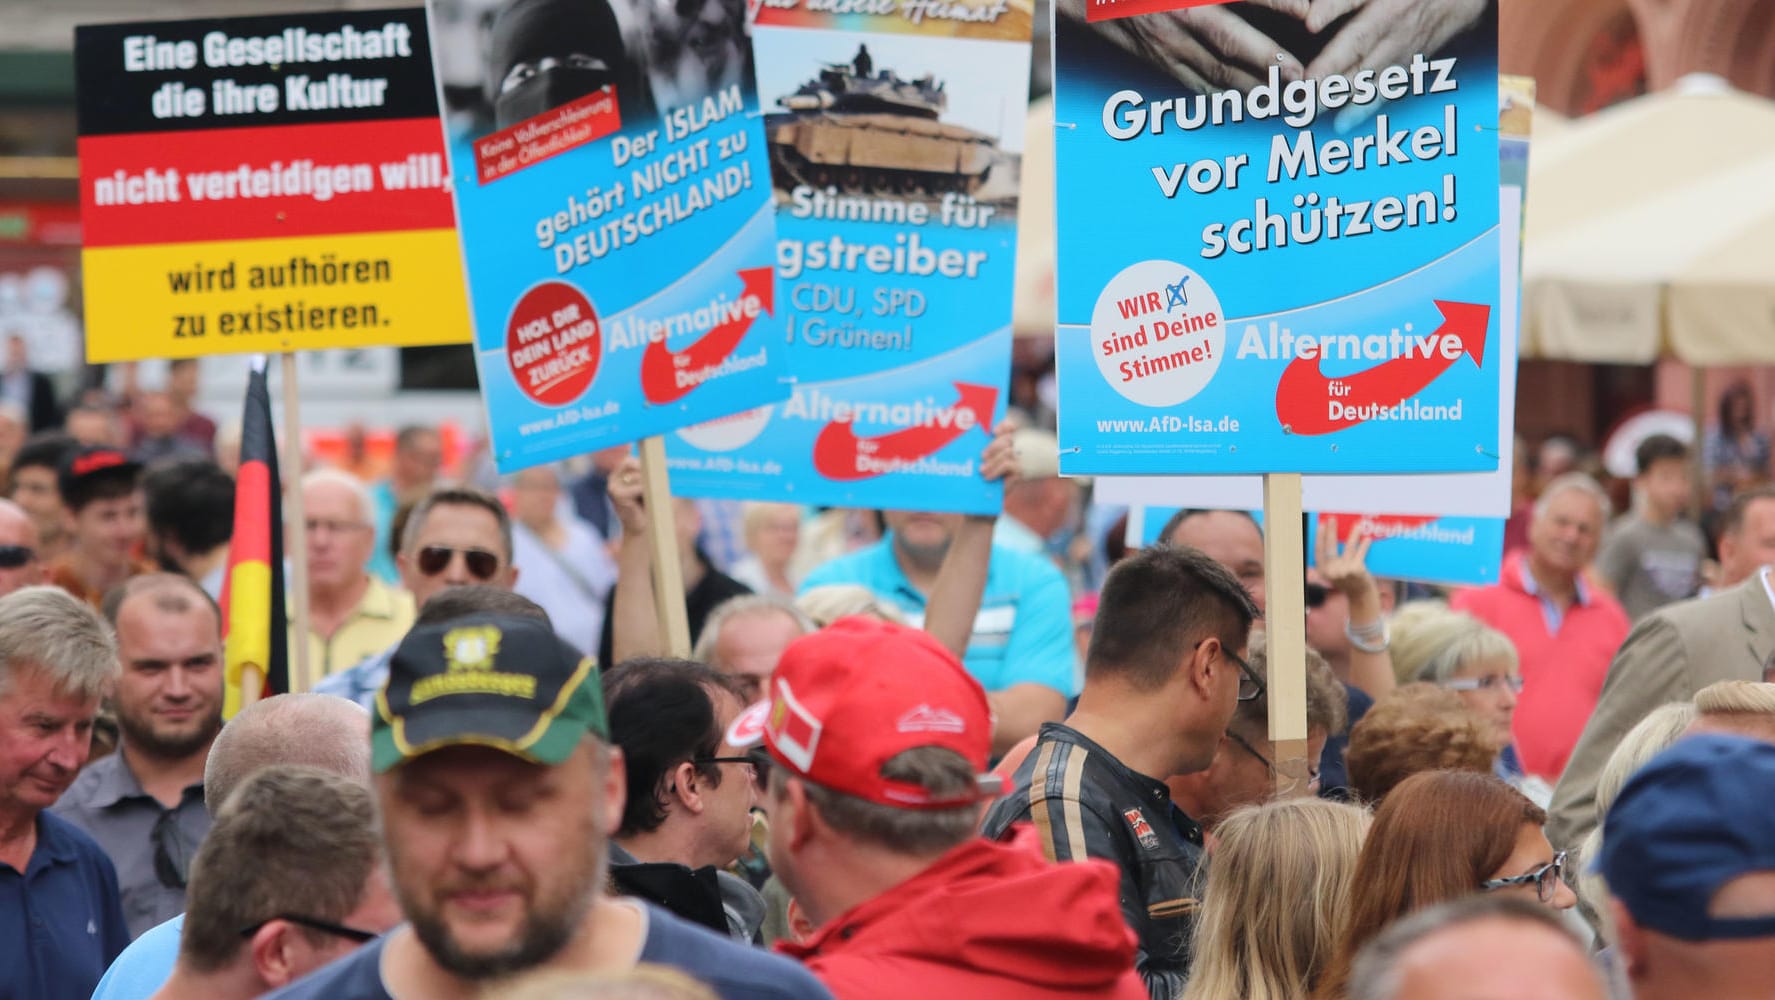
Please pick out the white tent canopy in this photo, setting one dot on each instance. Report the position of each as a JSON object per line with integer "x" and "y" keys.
{"x": 1651, "y": 232}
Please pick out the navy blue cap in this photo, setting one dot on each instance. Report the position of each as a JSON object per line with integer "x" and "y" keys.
{"x": 1689, "y": 822}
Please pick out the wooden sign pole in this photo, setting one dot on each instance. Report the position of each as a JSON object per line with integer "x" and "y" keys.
{"x": 1285, "y": 613}
{"x": 662, "y": 537}
{"x": 296, "y": 551}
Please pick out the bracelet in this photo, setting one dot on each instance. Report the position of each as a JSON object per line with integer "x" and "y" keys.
{"x": 1371, "y": 638}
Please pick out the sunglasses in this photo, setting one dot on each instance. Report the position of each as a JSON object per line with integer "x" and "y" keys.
{"x": 1316, "y": 593}
{"x": 324, "y": 926}
{"x": 1545, "y": 879}
{"x": 14, "y": 556}
{"x": 434, "y": 559}
{"x": 172, "y": 856}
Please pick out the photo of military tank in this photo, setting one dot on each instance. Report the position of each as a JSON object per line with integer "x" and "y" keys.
{"x": 868, "y": 131}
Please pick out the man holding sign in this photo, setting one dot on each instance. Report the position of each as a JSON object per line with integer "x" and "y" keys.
{"x": 1021, "y": 648}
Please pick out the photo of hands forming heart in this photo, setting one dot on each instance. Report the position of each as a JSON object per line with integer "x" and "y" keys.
{"x": 1216, "y": 47}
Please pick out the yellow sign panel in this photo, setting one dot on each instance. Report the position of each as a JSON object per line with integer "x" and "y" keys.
{"x": 182, "y": 300}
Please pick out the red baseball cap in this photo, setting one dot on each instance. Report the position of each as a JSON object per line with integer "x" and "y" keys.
{"x": 847, "y": 699}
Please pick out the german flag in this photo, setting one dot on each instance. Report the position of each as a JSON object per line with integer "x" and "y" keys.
{"x": 256, "y": 630}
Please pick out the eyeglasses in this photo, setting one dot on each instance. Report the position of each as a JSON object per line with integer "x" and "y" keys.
{"x": 1270, "y": 765}
{"x": 759, "y": 758}
{"x": 1316, "y": 593}
{"x": 1489, "y": 683}
{"x": 312, "y": 923}
{"x": 317, "y": 525}
{"x": 1545, "y": 879}
{"x": 699, "y": 761}
{"x": 1251, "y": 686}
{"x": 14, "y": 556}
{"x": 172, "y": 856}
{"x": 434, "y": 559}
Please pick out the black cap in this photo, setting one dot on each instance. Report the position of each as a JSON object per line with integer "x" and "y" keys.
{"x": 89, "y": 465}
{"x": 499, "y": 681}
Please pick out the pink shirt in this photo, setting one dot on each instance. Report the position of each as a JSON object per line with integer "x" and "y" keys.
{"x": 1562, "y": 670}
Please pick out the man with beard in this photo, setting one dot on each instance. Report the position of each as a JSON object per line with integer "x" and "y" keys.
{"x": 144, "y": 803}
{"x": 498, "y": 793}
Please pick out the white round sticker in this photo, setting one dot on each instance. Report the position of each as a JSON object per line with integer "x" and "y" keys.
{"x": 729, "y": 432}
{"x": 1158, "y": 333}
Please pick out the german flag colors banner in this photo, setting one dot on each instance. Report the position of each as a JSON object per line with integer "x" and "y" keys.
{"x": 257, "y": 632}
{"x": 264, "y": 184}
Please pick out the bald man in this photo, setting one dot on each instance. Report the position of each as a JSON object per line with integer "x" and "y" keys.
{"x": 20, "y": 565}
{"x": 316, "y": 730}
{"x": 1478, "y": 948}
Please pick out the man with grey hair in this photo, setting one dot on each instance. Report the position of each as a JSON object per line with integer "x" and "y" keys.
{"x": 455, "y": 536}
{"x": 352, "y": 613}
{"x": 312, "y": 730}
{"x": 144, "y": 804}
{"x": 745, "y": 636}
{"x": 1565, "y": 629}
{"x": 1676, "y": 651}
{"x": 1477, "y": 948}
{"x": 60, "y": 914}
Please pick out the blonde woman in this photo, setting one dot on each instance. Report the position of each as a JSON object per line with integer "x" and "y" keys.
{"x": 1460, "y": 653}
{"x": 1276, "y": 901}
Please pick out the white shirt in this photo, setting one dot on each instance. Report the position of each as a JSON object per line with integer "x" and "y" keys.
{"x": 574, "y": 600}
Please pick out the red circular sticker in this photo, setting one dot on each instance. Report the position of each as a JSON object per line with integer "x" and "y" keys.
{"x": 553, "y": 342}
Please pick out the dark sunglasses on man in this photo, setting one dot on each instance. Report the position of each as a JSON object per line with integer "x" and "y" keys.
{"x": 14, "y": 556}
{"x": 1316, "y": 593}
{"x": 434, "y": 559}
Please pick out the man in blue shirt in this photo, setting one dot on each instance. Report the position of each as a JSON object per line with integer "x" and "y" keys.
{"x": 497, "y": 787}
{"x": 60, "y": 917}
{"x": 1021, "y": 649}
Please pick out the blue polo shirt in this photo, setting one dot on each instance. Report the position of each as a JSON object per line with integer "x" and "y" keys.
{"x": 61, "y": 922}
{"x": 1023, "y": 633}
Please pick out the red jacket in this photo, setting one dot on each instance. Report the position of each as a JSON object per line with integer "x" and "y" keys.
{"x": 988, "y": 921}
{"x": 1562, "y": 673}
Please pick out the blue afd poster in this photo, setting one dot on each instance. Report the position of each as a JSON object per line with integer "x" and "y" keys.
{"x": 1464, "y": 551}
{"x": 1283, "y": 258}
{"x": 612, "y": 191}
{"x": 896, "y": 138}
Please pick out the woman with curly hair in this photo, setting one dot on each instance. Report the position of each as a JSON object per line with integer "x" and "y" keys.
{"x": 1419, "y": 727}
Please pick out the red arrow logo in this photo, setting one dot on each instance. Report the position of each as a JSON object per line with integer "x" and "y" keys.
{"x": 839, "y": 454}
{"x": 1303, "y": 392}
{"x": 660, "y": 364}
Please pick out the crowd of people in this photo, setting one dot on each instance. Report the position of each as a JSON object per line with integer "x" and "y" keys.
{"x": 911, "y": 753}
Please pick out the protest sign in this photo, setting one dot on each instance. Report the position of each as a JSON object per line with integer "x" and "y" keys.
{"x": 1464, "y": 495}
{"x": 263, "y": 184}
{"x": 1427, "y": 548}
{"x": 896, "y": 147}
{"x": 612, "y": 190}
{"x": 1290, "y": 266}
